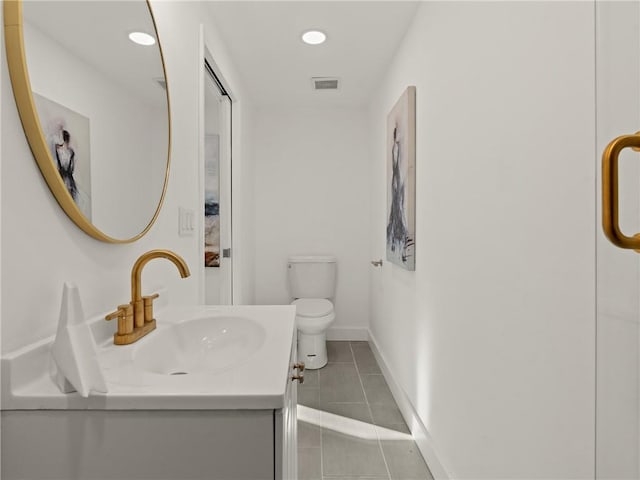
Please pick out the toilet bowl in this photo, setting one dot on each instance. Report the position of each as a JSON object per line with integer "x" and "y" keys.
{"x": 313, "y": 318}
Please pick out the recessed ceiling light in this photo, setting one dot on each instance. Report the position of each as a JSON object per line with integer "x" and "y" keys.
{"x": 142, "y": 38}
{"x": 314, "y": 37}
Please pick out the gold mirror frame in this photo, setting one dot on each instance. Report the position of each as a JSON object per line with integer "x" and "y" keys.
{"x": 18, "y": 72}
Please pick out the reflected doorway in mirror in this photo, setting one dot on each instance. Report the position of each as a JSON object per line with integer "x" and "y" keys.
{"x": 212, "y": 200}
{"x": 67, "y": 135}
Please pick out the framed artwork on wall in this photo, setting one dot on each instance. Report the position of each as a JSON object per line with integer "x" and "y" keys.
{"x": 401, "y": 181}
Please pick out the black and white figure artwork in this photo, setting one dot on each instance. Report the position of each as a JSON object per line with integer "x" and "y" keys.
{"x": 212, "y": 201}
{"x": 67, "y": 135}
{"x": 401, "y": 198}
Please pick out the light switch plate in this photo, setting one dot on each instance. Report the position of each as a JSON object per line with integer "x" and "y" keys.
{"x": 186, "y": 222}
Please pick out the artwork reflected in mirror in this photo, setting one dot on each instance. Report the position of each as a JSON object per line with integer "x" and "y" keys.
{"x": 67, "y": 135}
{"x": 401, "y": 198}
{"x": 212, "y": 201}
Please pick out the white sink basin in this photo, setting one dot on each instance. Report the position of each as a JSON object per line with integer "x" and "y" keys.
{"x": 200, "y": 346}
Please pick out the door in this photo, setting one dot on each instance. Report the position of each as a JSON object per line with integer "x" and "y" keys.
{"x": 217, "y": 191}
{"x": 618, "y": 269}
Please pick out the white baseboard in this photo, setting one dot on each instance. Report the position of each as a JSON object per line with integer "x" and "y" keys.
{"x": 348, "y": 333}
{"x": 418, "y": 430}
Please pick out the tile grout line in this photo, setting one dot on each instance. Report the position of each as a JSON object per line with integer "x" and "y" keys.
{"x": 366, "y": 400}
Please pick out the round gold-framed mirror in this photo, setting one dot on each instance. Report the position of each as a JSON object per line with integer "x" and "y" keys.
{"x": 94, "y": 107}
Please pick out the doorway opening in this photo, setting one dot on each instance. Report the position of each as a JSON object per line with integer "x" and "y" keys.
{"x": 216, "y": 241}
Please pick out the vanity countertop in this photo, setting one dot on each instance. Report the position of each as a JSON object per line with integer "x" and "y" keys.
{"x": 255, "y": 380}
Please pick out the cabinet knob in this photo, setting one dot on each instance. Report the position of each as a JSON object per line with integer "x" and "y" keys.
{"x": 300, "y": 378}
{"x": 299, "y": 366}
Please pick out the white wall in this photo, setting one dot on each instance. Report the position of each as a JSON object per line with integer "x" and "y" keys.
{"x": 492, "y": 337}
{"x": 41, "y": 248}
{"x": 244, "y": 215}
{"x": 311, "y": 179}
{"x": 2, "y": 80}
{"x": 618, "y": 356}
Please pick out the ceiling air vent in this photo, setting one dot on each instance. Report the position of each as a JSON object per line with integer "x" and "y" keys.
{"x": 162, "y": 82}
{"x": 325, "y": 83}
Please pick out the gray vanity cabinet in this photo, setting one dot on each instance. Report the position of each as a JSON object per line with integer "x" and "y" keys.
{"x": 158, "y": 444}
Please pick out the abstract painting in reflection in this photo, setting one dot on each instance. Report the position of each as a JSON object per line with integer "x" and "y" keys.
{"x": 212, "y": 201}
{"x": 67, "y": 135}
{"x": 401, "y": 198}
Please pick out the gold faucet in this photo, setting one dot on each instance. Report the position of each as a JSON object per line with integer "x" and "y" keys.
{"x": 135, "y": 319}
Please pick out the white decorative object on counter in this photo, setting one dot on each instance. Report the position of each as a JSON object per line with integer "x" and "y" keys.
{"x": 74, "y": 349}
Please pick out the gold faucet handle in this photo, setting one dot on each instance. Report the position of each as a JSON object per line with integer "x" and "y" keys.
{"x": 148, "y": 306}
{"x": 117, "y": 314}
{"x": 124, "y": 314}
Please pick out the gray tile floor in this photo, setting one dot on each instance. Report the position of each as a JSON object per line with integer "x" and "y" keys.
{"x": 349, "y": 426}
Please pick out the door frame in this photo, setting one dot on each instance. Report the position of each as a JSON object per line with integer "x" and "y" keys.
{"x": 226, "y": 157}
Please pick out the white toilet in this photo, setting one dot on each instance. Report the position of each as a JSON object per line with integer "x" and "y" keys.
{"x": 312, "y": 282}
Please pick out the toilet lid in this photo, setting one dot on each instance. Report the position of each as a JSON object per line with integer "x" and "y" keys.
{"x": 313, "y": 307}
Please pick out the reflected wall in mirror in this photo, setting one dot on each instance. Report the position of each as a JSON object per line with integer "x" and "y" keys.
{"x": 94, "y": 107}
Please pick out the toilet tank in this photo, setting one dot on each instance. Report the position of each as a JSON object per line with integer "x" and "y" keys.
{"x": 312, "y": 276}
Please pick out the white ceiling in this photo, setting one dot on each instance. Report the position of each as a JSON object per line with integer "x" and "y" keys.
{"x": 263, "y": 38}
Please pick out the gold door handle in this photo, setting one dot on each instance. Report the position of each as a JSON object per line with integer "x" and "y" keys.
{"x": 610, "y": 210}
{"x": 300, "y": 378}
